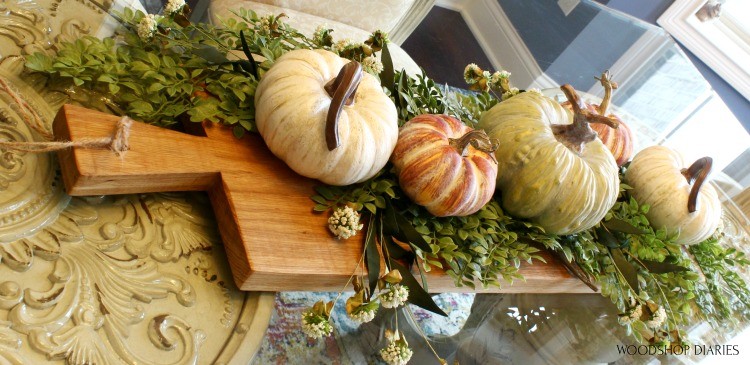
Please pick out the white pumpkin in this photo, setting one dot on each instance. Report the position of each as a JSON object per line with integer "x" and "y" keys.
{"x": 292, "y": 103}
{"x": 551, "y": 167}
{"x": 659, "y": 178}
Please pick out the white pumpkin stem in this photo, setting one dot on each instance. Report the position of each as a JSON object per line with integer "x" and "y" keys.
{"x": 476, "y": 138}
{"x": 609, "y": 85}
{"x": 342, "y": 90}
{"x": 696, "y": 174}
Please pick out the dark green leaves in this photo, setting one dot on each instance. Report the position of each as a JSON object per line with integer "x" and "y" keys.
{"x": 656, "y": 267}
{"x": 387, "y": 75}
{"x": 626, "y": 269}
{"x": 407, "y": 233}
{"x": 607, "y": 238}
{"x": 372, "y": 256}
{"x": 619, "y": 225}
{"x": 417, "y": 295}
{"x": 209, "y": 53}
{"x": 249, "y": 65}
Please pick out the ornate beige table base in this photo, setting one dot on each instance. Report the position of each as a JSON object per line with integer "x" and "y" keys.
{"x": 136, "y": 279}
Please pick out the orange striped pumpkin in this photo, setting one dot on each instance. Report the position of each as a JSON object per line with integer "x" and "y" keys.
{"x": 619, "y": 141}
{"x": 444, "y": 165}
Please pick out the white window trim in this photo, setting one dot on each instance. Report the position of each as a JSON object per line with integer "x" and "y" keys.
{"x": 700, "y": 38}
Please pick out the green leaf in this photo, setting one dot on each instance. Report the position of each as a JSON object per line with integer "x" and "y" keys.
{"x": 619, "y": 225}
{"x": 238, "y": 131}
{"x": 248, "y": 65}
{"x": 407, "y": 233}
{"x": 607, "y": 238}
{"x": 395, "y": 251}
{"x": 417, "y": 295}
{"x": 626, "y": 268}
{"x": 390, "y": 224}
{"x": 325, "y": 191}
{"x": 372, "y": 258}
{"x": 656, "y": 267}
{"x": 210, "y": 54}
{"x": 387, "y": 76}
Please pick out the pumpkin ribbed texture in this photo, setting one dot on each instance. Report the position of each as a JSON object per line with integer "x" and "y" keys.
{"x": 434, "y": 174}
{"x": 540, "y": 179}
{"x": 656, "y": 178}
{"x": 618, "y": 141}
{"x": 290, "y": 111}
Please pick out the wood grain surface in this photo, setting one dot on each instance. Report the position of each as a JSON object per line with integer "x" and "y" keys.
{"x": 274, "y": 241}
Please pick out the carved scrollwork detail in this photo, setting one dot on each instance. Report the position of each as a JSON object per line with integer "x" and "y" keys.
{"x": 25, "y": 25}
{"x": 98, "y": 290}
{"x": 72, "y": 29}
{"x": 12, "y": 166}
{"x": 10, "y": 344}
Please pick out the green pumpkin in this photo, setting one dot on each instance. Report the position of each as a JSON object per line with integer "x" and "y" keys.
{"x": 552, "y": 169}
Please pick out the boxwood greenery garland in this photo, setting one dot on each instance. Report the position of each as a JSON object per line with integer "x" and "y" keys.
{"x": 657, "y": 285}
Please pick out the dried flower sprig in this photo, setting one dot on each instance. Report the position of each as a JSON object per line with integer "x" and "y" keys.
{"x": 497, "y": 83}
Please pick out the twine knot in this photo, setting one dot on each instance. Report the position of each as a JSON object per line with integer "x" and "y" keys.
{"x": 117, "y": 143}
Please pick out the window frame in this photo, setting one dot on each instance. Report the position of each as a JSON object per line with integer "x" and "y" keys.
{"x": 719, "y": 53}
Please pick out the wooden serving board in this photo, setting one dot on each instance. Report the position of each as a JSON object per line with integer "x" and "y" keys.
{"x": 274, "y": 241}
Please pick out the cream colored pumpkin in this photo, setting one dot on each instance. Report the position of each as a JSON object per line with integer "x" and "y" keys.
{"x": 291, "y": 108}
{"x": 656, "y": 175}
{"x": 552, "y": 168}
{"x": 444, "y": 165}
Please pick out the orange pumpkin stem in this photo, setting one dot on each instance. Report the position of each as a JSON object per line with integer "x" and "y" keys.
{"x": 342, "y": 90}
{"x": 696, "y": 174}
{"x": 609, "y": 85}
{"x": 476, "y": 138}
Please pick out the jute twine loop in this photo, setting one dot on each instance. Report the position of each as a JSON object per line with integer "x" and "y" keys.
{"x": 117, "y": 143}
{"x": 30, "y": 117}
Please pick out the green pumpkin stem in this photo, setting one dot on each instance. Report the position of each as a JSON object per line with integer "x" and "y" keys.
{"x": 342, "y": 90}
{"x": 476, "y": 138}
{"x": 575, "y": 135}
{"x": 696, "y": 174}
{"x": 609, "y": 85}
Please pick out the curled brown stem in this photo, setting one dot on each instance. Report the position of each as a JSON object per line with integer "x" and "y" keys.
{"x": 476, "y": 138}
{"x": 342, "y": 90}
{"x": 696, "y": 174}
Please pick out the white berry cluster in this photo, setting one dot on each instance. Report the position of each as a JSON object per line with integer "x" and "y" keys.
{"x": 363, "y": 316}
{"x": 174, "y": 6}
{"x": 344, "y": 222}
{"x": 344, "y": 45}
{"x": 147, "y": 27}
{"x": 372, "y": 64}
{"x": 632, "y": 316}
{"x": 657, "y": 318}
{"x": 396, "y": 353}
{"x": 315, "y": 325}
{"x": 394, "y": 296}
